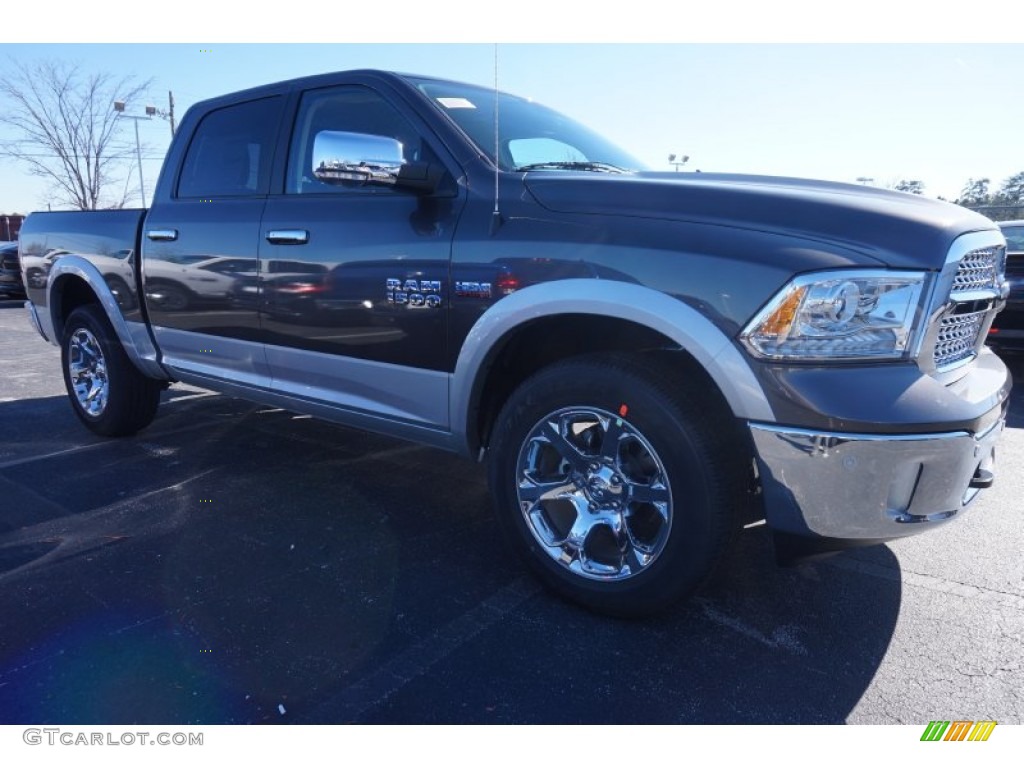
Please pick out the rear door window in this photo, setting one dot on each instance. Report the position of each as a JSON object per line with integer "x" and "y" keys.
{"x": 231, "y": 151}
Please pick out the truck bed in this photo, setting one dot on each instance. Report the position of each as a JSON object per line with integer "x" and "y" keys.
{"x": 107, "y": 239}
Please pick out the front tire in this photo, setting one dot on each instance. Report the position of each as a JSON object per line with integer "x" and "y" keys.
{"x": 620, "y": 486}
{"x": 107, "y": 392}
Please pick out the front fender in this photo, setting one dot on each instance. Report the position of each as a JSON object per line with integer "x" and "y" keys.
{"x": 134, "y": 336}
{"x": 667, "y": 315}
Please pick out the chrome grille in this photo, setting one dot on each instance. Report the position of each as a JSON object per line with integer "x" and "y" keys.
{"x": 967, "y": 298}
{"x": 978, "y": 270}
{"x": 958, "y": 336}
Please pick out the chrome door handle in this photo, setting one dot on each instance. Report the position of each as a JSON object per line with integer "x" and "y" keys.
{"x": 288, "y": 236}
{"x": 164, "y": 235}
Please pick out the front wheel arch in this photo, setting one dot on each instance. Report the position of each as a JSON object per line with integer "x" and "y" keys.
{"x": 677, "y": 325}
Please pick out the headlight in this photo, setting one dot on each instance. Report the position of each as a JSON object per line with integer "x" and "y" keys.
{"x": 839, "y": 315}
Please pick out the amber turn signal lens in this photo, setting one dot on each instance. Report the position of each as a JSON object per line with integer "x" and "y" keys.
{"x": 779, "y": 322}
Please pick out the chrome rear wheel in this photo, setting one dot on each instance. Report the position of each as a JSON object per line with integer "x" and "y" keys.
{"x": 87, "y": 370}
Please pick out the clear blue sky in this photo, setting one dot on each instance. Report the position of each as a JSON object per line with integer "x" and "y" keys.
{"x": 937, "y": 113}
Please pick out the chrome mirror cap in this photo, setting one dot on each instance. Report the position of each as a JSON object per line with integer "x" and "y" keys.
{"x": 356, "y": 159}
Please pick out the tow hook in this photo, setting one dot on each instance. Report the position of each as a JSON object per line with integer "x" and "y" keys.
{"x": 983, "y": 478}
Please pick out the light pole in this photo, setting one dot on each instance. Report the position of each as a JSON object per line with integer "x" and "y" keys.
{"x": 678, "y": 163}
{"x": 150, "y": 111}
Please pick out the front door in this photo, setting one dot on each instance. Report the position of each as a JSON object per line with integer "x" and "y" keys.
{"x": 353, "y": 279}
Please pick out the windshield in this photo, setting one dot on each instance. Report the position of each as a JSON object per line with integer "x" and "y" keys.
{"x": 531, "y": 136}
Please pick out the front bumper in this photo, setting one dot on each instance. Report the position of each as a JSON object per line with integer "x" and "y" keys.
{"x": 869, "y": 487}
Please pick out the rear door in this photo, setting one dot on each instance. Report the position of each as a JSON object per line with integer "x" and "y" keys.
{"x": 201, "y": 244}
{"x": 354, "y": 278}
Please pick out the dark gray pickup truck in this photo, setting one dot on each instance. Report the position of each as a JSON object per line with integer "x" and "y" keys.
{"x": 640, "y": 357}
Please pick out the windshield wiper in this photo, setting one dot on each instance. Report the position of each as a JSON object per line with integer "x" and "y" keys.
{"x": 571, "y": 165}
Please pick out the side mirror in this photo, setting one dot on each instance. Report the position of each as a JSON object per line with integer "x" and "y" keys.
{"x": 361, "y": 159}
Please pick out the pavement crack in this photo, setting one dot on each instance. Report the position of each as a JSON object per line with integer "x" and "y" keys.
{"x": 926, "y": 581}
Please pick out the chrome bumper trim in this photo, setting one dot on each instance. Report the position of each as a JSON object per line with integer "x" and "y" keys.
{"x": 867, "y": 486}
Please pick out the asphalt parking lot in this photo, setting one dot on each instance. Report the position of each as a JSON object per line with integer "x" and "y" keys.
{"x": 235, "y": 563}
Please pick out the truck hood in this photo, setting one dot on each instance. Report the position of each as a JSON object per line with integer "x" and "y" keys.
{"x": 895, "y": 228}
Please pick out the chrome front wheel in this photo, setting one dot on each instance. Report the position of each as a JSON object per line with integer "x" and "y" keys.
{"x": 594, "y": 493}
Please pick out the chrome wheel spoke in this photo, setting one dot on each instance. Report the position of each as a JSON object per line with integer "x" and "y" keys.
{"x": 634, "y": 560}
{"x": 655, "y": 493}
{"x": 531, "y": 491}
{"x": 542, "y": 530}
{"x": 613, "y": 433}
{"x": 565, "y": 546}
{"x": 574, "y": 553}
{"x": 577, "y": 537}
{"x": 551, "y": 432}
{"x": 630, "y": 543}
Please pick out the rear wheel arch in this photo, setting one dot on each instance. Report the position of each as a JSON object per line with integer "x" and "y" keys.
{"x": 76, "y": 282}
{"x": 69, "y": 291}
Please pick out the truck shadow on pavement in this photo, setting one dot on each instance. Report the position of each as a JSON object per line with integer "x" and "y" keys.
{"x": 241, "y": 564}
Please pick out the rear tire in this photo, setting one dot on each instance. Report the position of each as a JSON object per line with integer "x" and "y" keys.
{"x": 107, "y": 392}
{"x": 620, "y": 487}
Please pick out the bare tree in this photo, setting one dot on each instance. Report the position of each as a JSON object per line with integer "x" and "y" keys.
{"x": 66, "y": 130}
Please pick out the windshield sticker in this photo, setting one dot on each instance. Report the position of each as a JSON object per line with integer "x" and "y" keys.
{"x": 456, "y": 102}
